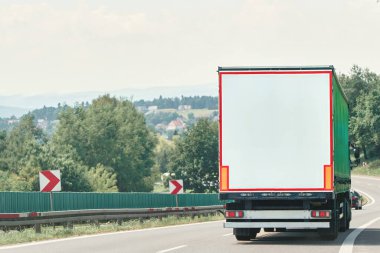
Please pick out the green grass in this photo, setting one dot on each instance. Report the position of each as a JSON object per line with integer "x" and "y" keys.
{"x": 48, "y": 232}
{"x": 371, "y": 169}
{"x": 198, "y": 113}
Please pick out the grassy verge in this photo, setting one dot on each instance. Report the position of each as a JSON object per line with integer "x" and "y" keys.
{"x": 371, "y": 169}
{"x": 365, "y": 200}
{"x": 28, "y": 235}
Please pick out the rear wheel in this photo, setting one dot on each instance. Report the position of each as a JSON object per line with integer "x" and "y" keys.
{"x": 242, "y": 237}
{"x": 331, "y": 233}
{"x": 344, "y": 223}
{"x": 349, "y": 214}
{"x": 245, "y": 234}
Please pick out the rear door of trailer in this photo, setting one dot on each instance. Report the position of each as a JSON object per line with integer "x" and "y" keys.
{"x": 275, "y": 130}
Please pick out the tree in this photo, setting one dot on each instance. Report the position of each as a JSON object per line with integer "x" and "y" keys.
{"x": 3, "y": 146}
{"x": 64, "y": 158}
{"x": 76, "y": 176}
{"x": 360, "y": 81}
{"x": 102, "y": 179}
{"x": 23, "y": 144}
{"x": 362, "y": 87}
{"x": 110, "y": 132}
{"x": 365, "y": 124}
{"x": 195, "y": 158}
{"x": 20, "y": 153}
{"x": 163, "y": 153}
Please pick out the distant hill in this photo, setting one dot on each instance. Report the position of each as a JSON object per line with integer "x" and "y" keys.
{"x": 8, "y": 111}
{"x": 39, "y": 101}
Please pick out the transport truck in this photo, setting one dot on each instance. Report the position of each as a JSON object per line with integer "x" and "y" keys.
{"x": 284, "y": 150}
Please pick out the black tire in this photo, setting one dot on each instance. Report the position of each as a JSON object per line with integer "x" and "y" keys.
{"x": 344, "y": 222}
{"x": 243, "y": 237}
{"x": 253, "y": 235}
{"x": 349, "y": 214}
{"x": 331, "y": 233}
{"x": 245, "y": 234}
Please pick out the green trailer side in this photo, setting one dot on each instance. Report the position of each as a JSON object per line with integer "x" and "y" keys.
{"x": 342, "y": 182}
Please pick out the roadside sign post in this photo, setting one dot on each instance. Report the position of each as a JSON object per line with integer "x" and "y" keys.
{"x": 175, "y": 188}
{"x": 50, "y": 181}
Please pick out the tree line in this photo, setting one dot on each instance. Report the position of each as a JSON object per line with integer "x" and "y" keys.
{"x": 196, "y": 102}
{"x": 105, "y": 146}
{"x": 362, "y": 88}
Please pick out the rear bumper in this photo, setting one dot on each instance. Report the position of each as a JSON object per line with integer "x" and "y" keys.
{"x": 275, "y": 195}
{"x": 287, "y": 225}
{"x": 278, "y": 215}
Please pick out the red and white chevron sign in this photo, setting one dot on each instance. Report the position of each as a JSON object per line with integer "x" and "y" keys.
{"x": 176, "y": 186}
{"x": 50, "y": 181}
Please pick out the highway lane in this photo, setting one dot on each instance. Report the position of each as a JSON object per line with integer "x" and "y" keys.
{"x": 211, "y": 237}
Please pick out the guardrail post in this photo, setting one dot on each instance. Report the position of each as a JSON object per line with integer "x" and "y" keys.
{"x": 119, "y": 222}
{"x": 37, "y": 228}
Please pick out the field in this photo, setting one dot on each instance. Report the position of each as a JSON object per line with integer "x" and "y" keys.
{"x": 198, "y": 113}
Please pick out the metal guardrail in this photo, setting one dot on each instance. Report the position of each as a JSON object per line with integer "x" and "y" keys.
{"x": 68, "y": 218}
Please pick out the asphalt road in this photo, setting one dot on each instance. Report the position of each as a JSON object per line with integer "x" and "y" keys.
{"x": 364, "y": 236}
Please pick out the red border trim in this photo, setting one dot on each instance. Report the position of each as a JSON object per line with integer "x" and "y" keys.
{"x": 221, "y": 130}
{"x": 220, "y": 133}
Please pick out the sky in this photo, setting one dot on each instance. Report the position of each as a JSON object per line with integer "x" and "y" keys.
{"x": 105, "y": 45}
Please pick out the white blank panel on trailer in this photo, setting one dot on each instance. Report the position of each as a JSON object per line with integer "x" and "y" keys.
{"x": 275, "y": 130}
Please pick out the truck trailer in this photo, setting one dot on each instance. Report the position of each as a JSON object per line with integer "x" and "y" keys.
{"x": 284, "y": 150}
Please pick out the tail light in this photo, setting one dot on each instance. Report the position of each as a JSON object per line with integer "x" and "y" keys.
{"x": 234, "y": 214}
{"x": 230, "y": 214}
{"x": 321, "y": 214}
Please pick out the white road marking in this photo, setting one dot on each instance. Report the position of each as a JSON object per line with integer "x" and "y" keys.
{"x": 99, "y": 235}
{"x": 348, "y": 244}
{"x": 367, "y": 195}
{"x": 171, "y": 249}
{"x": 227, "y": 234}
